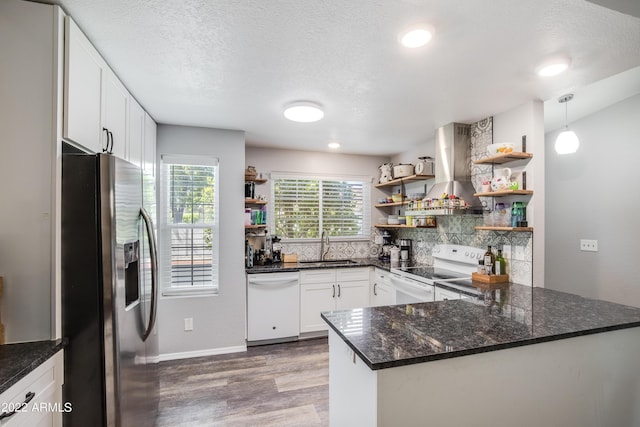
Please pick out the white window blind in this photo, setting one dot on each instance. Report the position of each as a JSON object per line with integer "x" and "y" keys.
{"x": 189, "y": 226}
{"x": 302, "y": 206}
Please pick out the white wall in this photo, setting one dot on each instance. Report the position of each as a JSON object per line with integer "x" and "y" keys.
{"x": 594, "y": 194}
{"x": 218, "y": 321}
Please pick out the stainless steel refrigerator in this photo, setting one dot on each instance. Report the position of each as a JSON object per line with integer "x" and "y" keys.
{"x": 109, "y": 292}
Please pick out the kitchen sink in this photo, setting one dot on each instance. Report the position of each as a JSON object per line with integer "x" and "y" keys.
{"x": 328, "y": 262}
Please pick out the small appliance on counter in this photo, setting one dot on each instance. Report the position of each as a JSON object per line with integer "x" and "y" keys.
{"x": 248, "y": 257}
{"x": 276, "y": 252}
{"x": 405, "y": 249}
{"x": 385, "y": 253}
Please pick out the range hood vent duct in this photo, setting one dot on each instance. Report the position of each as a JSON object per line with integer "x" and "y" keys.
{"x": 453, "y": 165}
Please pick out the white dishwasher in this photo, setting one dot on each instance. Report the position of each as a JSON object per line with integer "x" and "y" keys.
{"x": 273, "y": 307}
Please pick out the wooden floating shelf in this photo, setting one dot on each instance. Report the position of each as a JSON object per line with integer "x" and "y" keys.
{"x": 494, "y": 228}
{"x": 388, "y": 205}
{"x": 251, "y": 227}
{"x": 256, "y": 180}
{"x": 503, "y": 158}
{"x": 505, "y": 193}
{"x": 394, "y": 226}
{"x": 409, "y": 178}
{"x": 255, "y": 201}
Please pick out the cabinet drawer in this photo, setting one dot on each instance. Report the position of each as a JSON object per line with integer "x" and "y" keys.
{"x": 352, "y": 274}
{"x": 45, "y": 382}
{"x": 317, "y": 276}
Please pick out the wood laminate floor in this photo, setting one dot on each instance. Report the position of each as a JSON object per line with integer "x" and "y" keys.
{"x": 271, "y": 385}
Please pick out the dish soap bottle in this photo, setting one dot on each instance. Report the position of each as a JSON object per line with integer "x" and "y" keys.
{"x": 501, "y": 263}
{"x": 489, "y": 261}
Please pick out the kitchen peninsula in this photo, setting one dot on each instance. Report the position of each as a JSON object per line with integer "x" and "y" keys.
{"x": 527, "y": 356}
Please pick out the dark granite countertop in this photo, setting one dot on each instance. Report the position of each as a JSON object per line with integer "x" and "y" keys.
{"x": 18, "y": 360}
{"x": 515, "y": 315}
{"x": 297, "y": 266}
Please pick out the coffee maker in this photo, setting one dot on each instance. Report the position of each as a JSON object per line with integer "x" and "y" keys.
{"x": 276, "y": 253}
{"x": 405, "y": 249}
{"x": 385, "y": 253}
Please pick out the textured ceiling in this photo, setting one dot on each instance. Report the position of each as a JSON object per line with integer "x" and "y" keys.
{"x": 233, "y": 64}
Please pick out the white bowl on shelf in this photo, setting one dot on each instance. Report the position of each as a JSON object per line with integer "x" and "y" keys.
{"x": 382, "y": 220}
{"x": 499, "y": 148}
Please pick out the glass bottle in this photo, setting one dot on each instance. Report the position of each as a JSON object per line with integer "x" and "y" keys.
{"x": 481, "y": 269}
{"x": 489, "y": 261}
{"x": 501, "y": 263}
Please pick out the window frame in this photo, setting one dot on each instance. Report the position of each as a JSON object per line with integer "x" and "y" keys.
{"x": 165, "y": 229}
{"x": 366, "y": 203}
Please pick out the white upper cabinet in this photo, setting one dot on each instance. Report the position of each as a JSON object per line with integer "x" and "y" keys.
{"x": 149, "y": 150}
{"x": 136, "y": 132}
{"x": 82, "y": 90}
{"x": 114, "y": 117}
{"x": 95, "y": 101}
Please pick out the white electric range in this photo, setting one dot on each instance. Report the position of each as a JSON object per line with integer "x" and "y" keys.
{"x": 452, "y": 265}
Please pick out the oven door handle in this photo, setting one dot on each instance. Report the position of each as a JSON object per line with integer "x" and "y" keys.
{"x": 412, "y": 284}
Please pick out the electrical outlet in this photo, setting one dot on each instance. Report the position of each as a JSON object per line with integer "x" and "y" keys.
{"x": 506, "y": 251}
{"x": 589, "y": 245}
{"x": 188, "y": 324}
{"x": 519, "y": 253}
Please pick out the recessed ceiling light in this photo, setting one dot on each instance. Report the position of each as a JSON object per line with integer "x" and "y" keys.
{"x": 334, "y": 145}
{"x": 553, "y": 66}
{"x": 303, "y": 111}
{"x": 416, "y": 36}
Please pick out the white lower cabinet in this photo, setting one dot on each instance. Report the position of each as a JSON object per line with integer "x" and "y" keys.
{"x": 36, "y": 398}
{"x": 330, "y": 289}
{"x": 382, "y": 291}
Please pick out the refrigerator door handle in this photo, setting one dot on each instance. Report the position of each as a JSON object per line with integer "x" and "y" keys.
{"x": 154, "y": 272}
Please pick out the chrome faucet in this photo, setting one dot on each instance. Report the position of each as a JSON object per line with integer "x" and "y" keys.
{"x": 324, "y": 238}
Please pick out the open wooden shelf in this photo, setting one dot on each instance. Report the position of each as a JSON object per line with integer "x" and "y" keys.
{"x": 505, "y": 193}
{"x": 388, "y": 205}
{"x": 249, "y": 227}
{"x": 493, "y": 228}
{"x": 503, "y": 158}
{"x": 256, "y": 180}
{"x": 255, "y": 201}
{"x": 394, "y": 226}
{"x": 406, "y": 179}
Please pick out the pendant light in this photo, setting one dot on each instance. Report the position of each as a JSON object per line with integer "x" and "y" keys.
{"x": 567, "y": 142}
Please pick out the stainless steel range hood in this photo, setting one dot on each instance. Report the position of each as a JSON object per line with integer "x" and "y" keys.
{"x": 453, "y": 164}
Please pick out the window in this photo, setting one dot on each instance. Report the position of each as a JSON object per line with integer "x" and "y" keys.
{"x": 188, "y": 238}
{"x": 304, "y": 206}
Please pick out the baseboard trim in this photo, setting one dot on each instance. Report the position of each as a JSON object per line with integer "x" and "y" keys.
{"x": 201, "y": 353}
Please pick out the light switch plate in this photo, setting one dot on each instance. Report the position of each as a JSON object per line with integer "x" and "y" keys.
{"x": 588, "y": 245}
{"x": 188, "y": 324}
{"x": 519, "y": 253}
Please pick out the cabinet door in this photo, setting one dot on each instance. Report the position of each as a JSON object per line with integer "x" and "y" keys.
{"x": 136, "y": 132}
{"x": 114, "y": 116}
{"x": 353, "y": 295}
{"x": 82, "y": 90}
{"x": 149, "y": 149}
{"x": 314, "y": 299}
{"x": 386, "y": 294}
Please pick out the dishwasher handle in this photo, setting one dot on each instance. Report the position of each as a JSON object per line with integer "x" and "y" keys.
{"x": 273, "y": 282}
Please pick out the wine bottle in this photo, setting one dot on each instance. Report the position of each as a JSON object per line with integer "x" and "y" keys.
{"x": 489, "y": 260}
{"x": 501, "y": 263}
